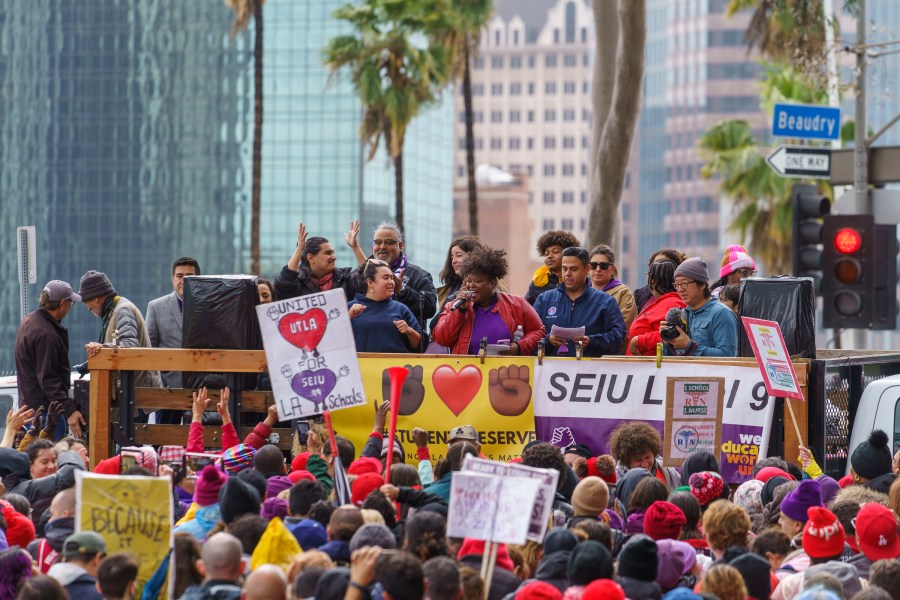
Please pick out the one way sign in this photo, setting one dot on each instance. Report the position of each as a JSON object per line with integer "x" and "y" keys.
{"x": 801, "y": 161}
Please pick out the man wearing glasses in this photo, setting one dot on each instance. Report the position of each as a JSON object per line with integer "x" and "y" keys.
{"x": 42, "y": 354}
{"x": 711, "y": 326}
{"x": 413, "y": 285}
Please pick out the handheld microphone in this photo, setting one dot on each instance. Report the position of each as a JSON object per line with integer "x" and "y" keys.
{"x": 460, "y": 300}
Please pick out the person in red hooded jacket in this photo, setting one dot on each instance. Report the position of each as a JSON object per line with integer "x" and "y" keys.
{"x": 644, "y": 333}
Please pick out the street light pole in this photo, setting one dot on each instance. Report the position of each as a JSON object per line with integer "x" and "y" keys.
{"x": 860, "y": 157}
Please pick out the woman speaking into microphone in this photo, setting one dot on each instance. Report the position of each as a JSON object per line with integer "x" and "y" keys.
{"x": 480, "y": 311}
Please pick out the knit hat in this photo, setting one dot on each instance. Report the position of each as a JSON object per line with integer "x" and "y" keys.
{"x": 274, "y": 507}
{"x": 736, "y": 257}
{"x": 604, "y": 467}
{"x": 676, "y": 559}
{"x": 364, "y": 485}
{"x": 237, "y": 458}
{"x": 256, "y": 480}
{"x": 559, "y": 540}
{"x": 591, "y": 497}
{"x": 697, "y": 463}
{"x": 538, "y": 590}
{"x": 872, "y": 457}
{"x": 797, "y": 504}
{"x": 639, "y": 559}
{"x": 830, "y": 488}
{"x": 398, "y": 448}
{"x": 768, "y": 491}
{"x": 95, "y": 284}
{"x": 664, "y": 520}
{"x": 589, "y": 560}
{"x": 57, "y": 291}
{"x": 755, "y": 571}
{"x": 19, "y": 528}
{"x": 238, "y": 498}
{"x": 767, "y": 473}
{"x": 876, "y": 532}
{"x": 276, "y": 484}
{"x": 823, "y": 534}
{"x": 298, "y": 476}
{"x": 629, "y": 481}
{"x": 373, "y": 534}
{"x": 748, "y": 495}
{"x": 706, "y": 486}
{"x": 333, "y": 584}
{"x": 365, "y": 464}
{"x": 615, "y": 520}
{"x": 208, "y": 485}
{"x": 693, "y": 268}
{"x": 299, "y": 462}
{"x": 602, "y": 589}
{"x": 470, "y": 546}
{"x": 310, "y": 533}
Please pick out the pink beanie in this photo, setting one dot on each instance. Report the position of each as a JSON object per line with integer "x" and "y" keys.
{"x": 736, "y": 257}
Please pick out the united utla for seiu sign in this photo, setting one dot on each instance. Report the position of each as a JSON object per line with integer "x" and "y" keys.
{"x": 806, "y": 121}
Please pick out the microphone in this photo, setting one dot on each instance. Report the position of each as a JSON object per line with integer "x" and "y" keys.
{"x": 460, "y": 300}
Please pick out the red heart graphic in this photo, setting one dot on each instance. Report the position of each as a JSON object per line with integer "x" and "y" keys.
{"x": 456, "y": 389}
{"x": 304, "y": 330}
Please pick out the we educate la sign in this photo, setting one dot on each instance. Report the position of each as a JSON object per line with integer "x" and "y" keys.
{"x": 584, "y": 401}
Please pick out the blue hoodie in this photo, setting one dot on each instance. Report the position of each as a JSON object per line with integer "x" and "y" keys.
{"x": 596, "y": 310}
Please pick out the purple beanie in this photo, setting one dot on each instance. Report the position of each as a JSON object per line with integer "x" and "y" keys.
{"x": 807, "y": 494}
{"x": 274, "y": 507}
{"x": 277, "y": 484}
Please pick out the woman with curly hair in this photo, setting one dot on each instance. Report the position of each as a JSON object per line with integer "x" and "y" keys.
{"x": 486, "y": 312}
{"x": 550, "y": 247}
{"x": 636, "y": 444}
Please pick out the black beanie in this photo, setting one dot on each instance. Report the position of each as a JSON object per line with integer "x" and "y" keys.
{"x": 638, "y": 559}
{"x": 767, "y": 494}
{"x": 755, "y": 571}
{"x": 237, "y": 498}
{"x": 873, "y": 457}
{"x": 589, "y": 561}
{"x": 256, "y": 480}
{"x": 559, "y": 540}
{"x": 95, "y": 284}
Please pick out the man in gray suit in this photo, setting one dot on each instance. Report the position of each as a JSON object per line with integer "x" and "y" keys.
{"x": 164, "y": 319}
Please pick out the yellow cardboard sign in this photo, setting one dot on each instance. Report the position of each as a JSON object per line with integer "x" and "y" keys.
{"x": 444, "y": 391}
{"x": 133, "y": 514}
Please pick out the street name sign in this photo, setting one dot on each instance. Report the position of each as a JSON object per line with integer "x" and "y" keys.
{"x": 806, "y": 121}
{"x": 801, "y": 161}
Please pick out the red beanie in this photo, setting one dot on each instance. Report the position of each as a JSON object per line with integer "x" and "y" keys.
{"x": 19, "y": 528}
{"x": 767, "y": 473}
{"x": 664, "y": 521}
{"x": 602, "y": 589}
{"x": 299, "y": 475}
{"x": 823, "y": 534}
{"x": 538, "y": 590}
{"x": 299, "y": 462}
{"x": 109, "y": 466}
{"x": 365, "y": 464}
{"x": 364, "y": 485}
{"x": 470, "y": 546}
{"x": 706, "y": 486}
{"x": 603, "y": 467}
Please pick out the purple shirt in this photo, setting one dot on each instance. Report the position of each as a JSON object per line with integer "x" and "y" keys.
{"x": 488, "y": 324}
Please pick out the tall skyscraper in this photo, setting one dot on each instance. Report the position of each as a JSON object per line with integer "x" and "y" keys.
{"x": 127, "y": 137}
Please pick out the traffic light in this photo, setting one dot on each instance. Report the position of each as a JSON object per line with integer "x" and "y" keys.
{"x": 848, "y": 278}
{"x": 884, "y": 292}
{"x": 809, "y": 208}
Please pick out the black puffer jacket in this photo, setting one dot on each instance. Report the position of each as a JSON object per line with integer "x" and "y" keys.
{"x": 290, "y": 284}
{"x": 40, "y": 492}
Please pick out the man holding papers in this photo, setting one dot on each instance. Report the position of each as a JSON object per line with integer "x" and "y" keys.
{"x": 576, "y": 312}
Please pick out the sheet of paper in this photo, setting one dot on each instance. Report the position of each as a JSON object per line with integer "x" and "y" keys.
{"x": 567, "y": 333}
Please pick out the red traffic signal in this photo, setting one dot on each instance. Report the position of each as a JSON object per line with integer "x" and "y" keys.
{"x": 847, "y": 240}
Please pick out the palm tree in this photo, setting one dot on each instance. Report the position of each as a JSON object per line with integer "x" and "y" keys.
{"x": 243, "y": 10}
{"x": 457, "y": 26}
{"x": 394, "y": 78}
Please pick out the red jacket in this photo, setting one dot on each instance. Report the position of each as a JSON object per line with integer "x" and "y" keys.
{"x": 646, "y": 324}
{"x": 454, "y": 330}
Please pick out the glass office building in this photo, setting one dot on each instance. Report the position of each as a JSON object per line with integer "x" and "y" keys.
{"x": 127, "y": 141}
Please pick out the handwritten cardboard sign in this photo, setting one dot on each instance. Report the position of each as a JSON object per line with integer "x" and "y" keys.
{"x": 543, "y": 502}
{"x": 773, "y": 359}
{"x": 693, "y": 422}
{"x": 311, "y": 354}
{"x": 132, "y": 514}
{"x": 483, "y": 507}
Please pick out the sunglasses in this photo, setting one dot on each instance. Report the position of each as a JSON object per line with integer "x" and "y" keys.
{"x": 600, "y": 266}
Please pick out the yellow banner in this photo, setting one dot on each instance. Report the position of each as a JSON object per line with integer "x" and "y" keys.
{"x": 442, "y": 392}
{"x": 133, "y": 514}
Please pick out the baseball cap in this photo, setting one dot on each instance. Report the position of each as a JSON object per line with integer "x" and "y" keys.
{"x": 84, "y": 542}
{"x": 463, "y": 432}
{"x": 58, "y": 290}
{"x": 581, "y": 450}
{"x": 876, "y": 530}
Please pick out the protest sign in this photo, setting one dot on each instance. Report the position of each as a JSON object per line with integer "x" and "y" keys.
{"x": 311, "y": 354}
{"x": 132, "y": 514}
{"x": 693, "y": 417}
{"x": 542, "y": 508}
{"x": 584, "y": 401}
{"x": 442, "y": 392}
{"x": 483, "y": 507}
{"x": 772, "y": 356}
